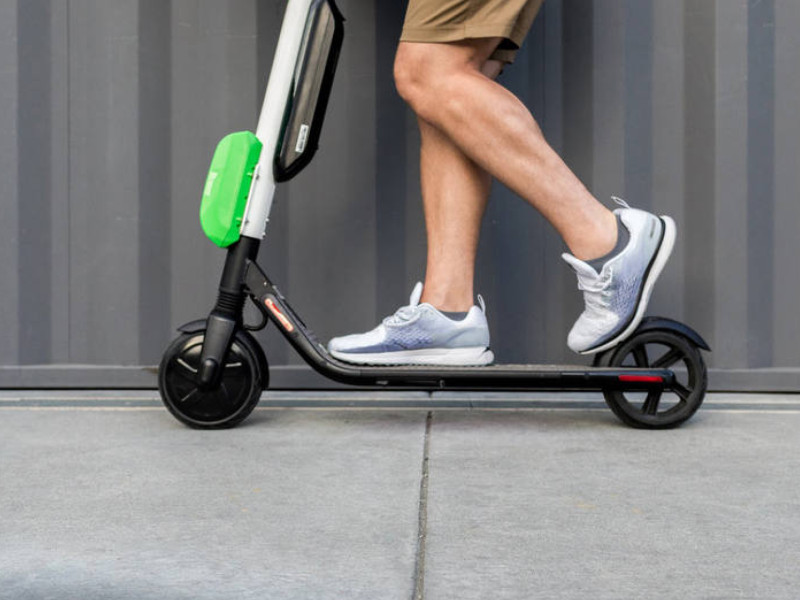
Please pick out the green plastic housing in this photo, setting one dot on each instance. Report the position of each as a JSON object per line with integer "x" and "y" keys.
{"x": 228, "y": 187}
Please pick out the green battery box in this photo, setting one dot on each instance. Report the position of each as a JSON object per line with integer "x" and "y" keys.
{"x": 228, "y": 187}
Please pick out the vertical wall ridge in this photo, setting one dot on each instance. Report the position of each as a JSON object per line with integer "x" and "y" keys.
{"x": 699, "y": 163}
{"x": 668, "y": 143}
{"x": 155, "y": 153}
{"x": 9, "y": 191}
{"x": 578, "y": 81}
{"x": 730, "y": 181}
{"x": 59, "y": 183}
{"x": 34, "y": 176}
{"x": 786, "y": 243}
{"x": 608, "y": 99}
{"x": 638, "y": 153}
{"x": 760, "y": 180}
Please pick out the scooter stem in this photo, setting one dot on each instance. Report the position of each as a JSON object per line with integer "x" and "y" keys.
{"x": 273, "y": 111}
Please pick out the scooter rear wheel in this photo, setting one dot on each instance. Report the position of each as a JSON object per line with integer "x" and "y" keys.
{"x": 243, "y": 378}
{"x": 660, "y": 349}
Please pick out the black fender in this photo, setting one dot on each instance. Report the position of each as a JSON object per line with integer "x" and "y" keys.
{"x": 193, "y": 326}
{"x": 200, "y": 325}
{"x": 665, "y": 324}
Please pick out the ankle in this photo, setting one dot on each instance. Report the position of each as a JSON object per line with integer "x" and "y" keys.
{"x": 600, "y": 241}
{"x": 448, "y": 301}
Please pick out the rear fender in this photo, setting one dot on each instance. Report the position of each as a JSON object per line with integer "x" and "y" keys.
{"x": 665, "y": 324}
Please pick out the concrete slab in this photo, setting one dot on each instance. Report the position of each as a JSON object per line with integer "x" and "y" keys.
{"x": 125, "y": 503}
{"x": 570, "y": 504}
{"x": 104, "y": 495}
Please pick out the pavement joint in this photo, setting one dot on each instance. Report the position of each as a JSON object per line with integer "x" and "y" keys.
{"x": 422, "y": 521}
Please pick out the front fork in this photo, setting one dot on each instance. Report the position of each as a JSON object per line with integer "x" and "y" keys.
{"x": 226, "y": 316}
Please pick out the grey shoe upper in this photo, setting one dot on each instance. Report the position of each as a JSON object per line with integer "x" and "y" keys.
{"x": 417, "y": 326}
{"x": 612, "y": 296}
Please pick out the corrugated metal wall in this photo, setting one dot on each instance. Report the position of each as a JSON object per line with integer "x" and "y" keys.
{"x": 109, "y": 113}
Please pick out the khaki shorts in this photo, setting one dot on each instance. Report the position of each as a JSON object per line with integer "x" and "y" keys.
{"x": 456, "y": 20}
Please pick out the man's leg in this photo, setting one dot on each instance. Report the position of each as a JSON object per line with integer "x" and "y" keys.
{"x": 455, "y": 191}
{"x": 445, "y": 87}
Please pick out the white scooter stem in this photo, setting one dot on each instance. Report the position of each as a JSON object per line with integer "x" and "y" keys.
{"x": 273, "y": 110}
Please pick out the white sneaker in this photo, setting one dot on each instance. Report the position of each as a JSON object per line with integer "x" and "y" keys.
{"x": 616, "y": 297}
{"x": 418, "y": 334}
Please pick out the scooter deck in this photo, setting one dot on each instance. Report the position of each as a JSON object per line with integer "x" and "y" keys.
{"x": 505, "y": 376}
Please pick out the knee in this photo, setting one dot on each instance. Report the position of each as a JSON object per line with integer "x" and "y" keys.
{"x": 410, "y": 75}
{"x": 423, "y": 80}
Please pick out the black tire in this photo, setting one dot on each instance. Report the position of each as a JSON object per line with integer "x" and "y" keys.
{"x": 658, "y": 349}
{"x": 244, "y": 376}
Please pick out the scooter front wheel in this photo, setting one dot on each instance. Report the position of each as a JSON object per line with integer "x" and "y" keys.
{"x": 231, "y": 402}
{"x": 659, "y": 349}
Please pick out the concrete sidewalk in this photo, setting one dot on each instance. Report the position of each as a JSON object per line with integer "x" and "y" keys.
{"x": 383, "y": 496}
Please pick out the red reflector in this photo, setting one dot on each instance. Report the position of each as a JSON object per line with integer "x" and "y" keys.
{"x": 642, "y": 378}
{"x": 287, "y": 324}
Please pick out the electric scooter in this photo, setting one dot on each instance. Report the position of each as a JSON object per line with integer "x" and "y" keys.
{"x": 212, "y": 375}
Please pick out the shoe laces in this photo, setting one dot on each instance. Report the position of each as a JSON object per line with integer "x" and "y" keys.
{"x": 595, "y": 288}
{"x": 402, "y": 316}
{"x": 620, "y": 202}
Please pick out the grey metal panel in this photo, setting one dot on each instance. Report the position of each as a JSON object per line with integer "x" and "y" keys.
{"x": 699, "y": 160}
{"x": 608, "y": 100}
{"x": 34, "y": 185}
{"x": 154, "y": 156}
{"x": 9, "y": 240}
{"x": 760, "y": 178}
{"x": 109, "y": 114}
{"x": 638, "y": 62}
{"x": 786, "y": 291}
{"x": 104, "y": 195}
{"x": 668, "y": 139}
{"x": 730, "y": 185}
{"x": 59, "y": 185}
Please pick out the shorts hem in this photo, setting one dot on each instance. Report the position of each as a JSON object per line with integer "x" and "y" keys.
{"x": 459, "y": 33}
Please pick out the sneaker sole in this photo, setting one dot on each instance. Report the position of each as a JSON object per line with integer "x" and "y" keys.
{"x": 662, "y": 256}
{"x": 454, "y": 357}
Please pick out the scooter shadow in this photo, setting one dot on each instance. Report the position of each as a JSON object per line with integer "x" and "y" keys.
{"x": 471, "y": 410}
